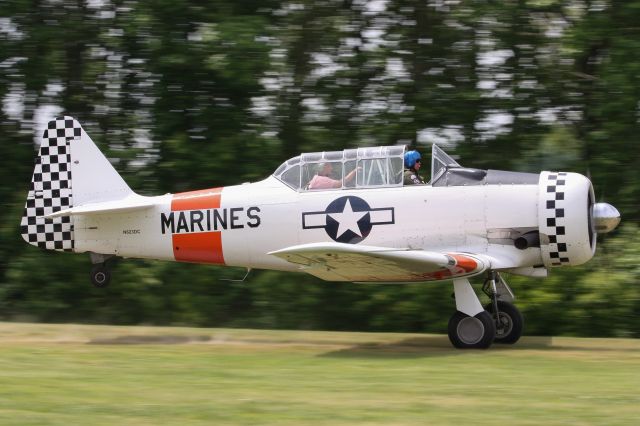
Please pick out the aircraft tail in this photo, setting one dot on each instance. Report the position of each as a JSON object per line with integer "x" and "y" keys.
{"x": 69, "y": 171}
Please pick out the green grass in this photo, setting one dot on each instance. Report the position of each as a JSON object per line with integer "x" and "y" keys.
{"x": 100, "y": 375}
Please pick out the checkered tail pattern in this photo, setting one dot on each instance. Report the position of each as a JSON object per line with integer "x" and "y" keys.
{"x": 51, "y": 189}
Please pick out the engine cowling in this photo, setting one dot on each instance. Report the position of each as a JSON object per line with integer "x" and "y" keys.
{"x": 567, "y": 234}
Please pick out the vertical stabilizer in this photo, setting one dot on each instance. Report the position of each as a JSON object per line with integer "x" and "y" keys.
{"x": 69, "y": 171}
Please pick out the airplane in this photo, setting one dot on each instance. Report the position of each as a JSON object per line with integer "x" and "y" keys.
{"x": 368, "y": 227}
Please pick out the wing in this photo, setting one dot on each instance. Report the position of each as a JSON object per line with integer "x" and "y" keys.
{"x": 359, "y": 263}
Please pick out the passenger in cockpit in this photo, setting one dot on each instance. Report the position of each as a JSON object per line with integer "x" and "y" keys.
{"x": 322, "y": 179}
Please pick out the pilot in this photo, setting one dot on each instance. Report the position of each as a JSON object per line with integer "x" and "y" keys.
{"x": 322, "y": 179}
{"x": 412, "y": 163}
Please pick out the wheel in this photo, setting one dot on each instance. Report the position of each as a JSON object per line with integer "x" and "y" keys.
{"x": 100, "y": 276}
{"x": 509, "y": 324}
{"x": 467, "y": 332}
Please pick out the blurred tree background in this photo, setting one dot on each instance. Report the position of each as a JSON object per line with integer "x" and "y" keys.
{"x": 185, "y": 94}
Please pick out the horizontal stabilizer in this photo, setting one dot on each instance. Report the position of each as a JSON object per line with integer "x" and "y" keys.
{"x": 130, "y": 203}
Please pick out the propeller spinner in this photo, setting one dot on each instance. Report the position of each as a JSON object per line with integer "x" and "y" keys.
{"x": 605, "y": 217}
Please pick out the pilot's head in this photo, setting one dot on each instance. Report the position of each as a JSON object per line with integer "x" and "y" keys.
{"x": 412, "y": 160}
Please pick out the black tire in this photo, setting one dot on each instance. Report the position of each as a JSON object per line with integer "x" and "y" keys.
{"x": 467, "y": 332}
{"x": 511, "y": 322}
{"x": 100, "y": 276}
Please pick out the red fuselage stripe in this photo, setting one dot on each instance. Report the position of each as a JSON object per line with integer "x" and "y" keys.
{"x": 200, "y": 247}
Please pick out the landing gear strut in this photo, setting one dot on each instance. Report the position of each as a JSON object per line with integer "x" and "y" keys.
{"x": 507, "y": 318}
{"x": 470, "y": 327}
{"x": 101, "y": 271}
{"x": 473, "y": 326}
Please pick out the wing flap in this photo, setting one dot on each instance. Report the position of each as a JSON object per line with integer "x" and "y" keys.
{"x": 348, "y": 262}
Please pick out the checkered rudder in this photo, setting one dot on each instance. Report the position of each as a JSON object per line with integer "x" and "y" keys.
{"x": 50, "y": 189}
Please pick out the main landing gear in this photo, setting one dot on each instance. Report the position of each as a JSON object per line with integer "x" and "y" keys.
{"x": 101, "y": 271}
{"x": 476, "y": 327}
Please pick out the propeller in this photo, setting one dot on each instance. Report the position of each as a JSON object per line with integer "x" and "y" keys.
{"x": 604, "y": 217}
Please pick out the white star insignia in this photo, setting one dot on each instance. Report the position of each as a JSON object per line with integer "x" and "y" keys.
{"x": 348, "y": 220}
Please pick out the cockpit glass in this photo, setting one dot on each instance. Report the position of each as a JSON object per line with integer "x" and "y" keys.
{"x": 292, "y": 177}
{"x": 440, "y": 161}
{"x": 351, "y": 168}
{"x": 371, "y": 167}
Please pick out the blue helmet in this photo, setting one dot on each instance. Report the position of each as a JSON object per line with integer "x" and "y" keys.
{"x": 410, "y": 158}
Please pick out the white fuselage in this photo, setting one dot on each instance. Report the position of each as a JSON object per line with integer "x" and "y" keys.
{"x": 239, "y": 225}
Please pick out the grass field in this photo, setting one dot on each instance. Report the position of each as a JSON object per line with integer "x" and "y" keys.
{"x": 102, "y": 375}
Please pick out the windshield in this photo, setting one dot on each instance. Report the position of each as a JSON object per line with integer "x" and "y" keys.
{"x": 440, "y": 161}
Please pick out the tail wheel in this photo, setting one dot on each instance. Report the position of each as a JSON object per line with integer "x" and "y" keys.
{"x": 509, "y": 322}
{"x": 467, "y": 332}
{"x": 100, "y": 276}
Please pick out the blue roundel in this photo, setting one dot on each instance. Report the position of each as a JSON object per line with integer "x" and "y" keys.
{"x": 348, "y": 219}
